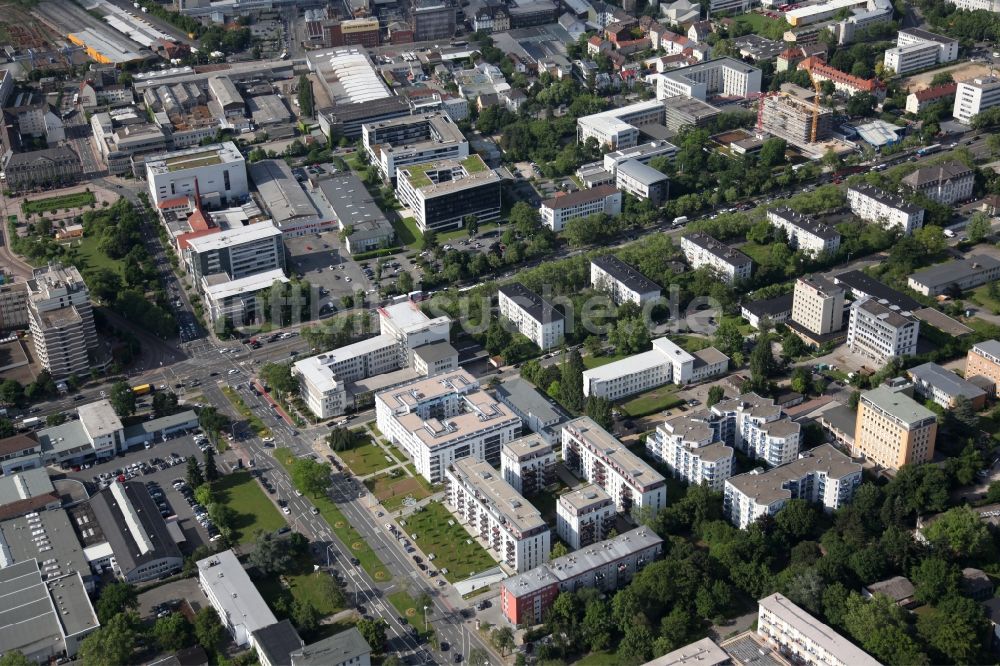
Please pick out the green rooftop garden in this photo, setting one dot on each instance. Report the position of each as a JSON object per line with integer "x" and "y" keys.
{"x": 474, "y": 164}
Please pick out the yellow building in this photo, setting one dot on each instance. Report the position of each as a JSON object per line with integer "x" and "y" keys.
{"x": 984, "y": 360}
{"x": 892, "y": 429}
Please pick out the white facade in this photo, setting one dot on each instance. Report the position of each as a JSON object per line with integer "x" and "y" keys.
{"x": 919, "y": 49}
{"x": 61, "y": 320}
{"x": 880, "y": 331}
{"x": 975, "y": 96}
{"x": 690, "y": 446}
{"x": 702, "y": 250}
{"x": 528, "y": 464}
{"x": 975, "y": 5}
{"x": 232, "y": 594}
{"x": 666, "y": 362}
{"x": 726, "y": 77}
{"x": 584, "y": 516}
{"x": 804, "y": 233}
{"x": 822, "y": 475}
{"x": 439, "y": 420}
{"x": 506, "y": 522}
{"x": 219, "y": 170}
{"x": 758, "y": 428}
{"x": 875, "y": 205}
{"x": 534, "y": 317}
{"x": 803, "y": 639}
{"x": 617, "y": 128}
{"x": 818, "y": 305}
{"x": 412, "y": 140}
{"x": 623, "y": 283}
{"x": 601, "y": 200}
{"x": 592, "y": 453}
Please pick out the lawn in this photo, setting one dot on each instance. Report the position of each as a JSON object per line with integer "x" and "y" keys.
{"x": 341, "y": 527}
{"x": 408, "y": 233}
{"x": 590, "y": 362}
{"x": 690, "y": 343}
{"x": 651, "y": 402}
{"x": 50, "y": 204}
{"x": 451, "y": 545}
{"x": 245, "y": 412}
{"x": 392, "y": 491}
{"x": 254, "y": 511}
{"x": 396, "y": 453}
{"x": 764, "y": 26}
{"x": 982, "y": 296}
{"x": 365, "y": 457}
{"x": 93, "y": 258}
{"x": 302, "y": 586}
{"x": 409, "y": 608}
{"x": 545, "y": 502}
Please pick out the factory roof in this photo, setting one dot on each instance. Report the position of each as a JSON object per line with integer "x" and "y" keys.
{"x": 349, "y": 75}
{"x": 353, "y": 205}
{"x": 898, "y": 405}
{"x": 580, "y": 197}
{"x": 945, "y": 381}
{"x": 534, "y": 305}
{"x": 46, "y": 536}
{"x": 225, "y": 91}
{"x": 235, "y": 592}
{"x": 625, "y": 274}
{"x": 643, "y": 173}
{"x": 768, "y": 487}
{"x": 268, "y": 110}
{"x": 805, "y": 223}
{"x": 955, "y": 270}
{"x": 491, "y": 489}
{"x": 133, "y": 525}
{"x": 863, "y": 285}
{"x": 280, "y": 192}
{"x": 24, "y": 491}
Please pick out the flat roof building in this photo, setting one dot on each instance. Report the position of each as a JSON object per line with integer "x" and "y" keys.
{"x": 61, "y": 321}
{"x": 25, "y": 492}
{"x": 619, "y": 128}
{"x": 534, "y": 317}
{"x": 216, "y": 171}
{"x": 416, "y": 139}
{"x": 975, "y": 96}
{"x": 691, "y": 446}
{"x": 528, "y": 464}
{"x": 944, "y": 387}
{"x": 796, "y": 633}
{"x": 622, "y": 282}
{"x": 356, "y": 212}
{"x": 957, "y": 274}
{"x": 443, "y": 193}
{"x": 861, "y": 285}
{"x": 232, "y": 594}
{"x": 642, "y": 181}
{"x": 665, "y": 363}
{"x": 584, "y": 516}
{"x": 983, "y": 361}
{"x": 727, "y": 78}
{"x": 347, "y": 648}
{"x": 49, "y": 538}
{"x": 758, "y": 427}
{"x": 880, "y": 331}
{"x": 775, "y": 310}
{"x": 539, "y": 413}
{"x": 292, "y": 210}
{"x": 892, "y": 429}
{"x": 818, "y": 305}
{"x": 682, "y": 111}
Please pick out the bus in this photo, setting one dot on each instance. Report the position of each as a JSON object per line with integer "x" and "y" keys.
{"x": 142, "y": 389}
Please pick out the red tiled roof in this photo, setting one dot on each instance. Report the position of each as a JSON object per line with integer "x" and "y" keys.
{"x": 173, "y": 203}
{"x": 937, "y": 92}
{"x": 815, "y": 65}
{"x": 198, "y": 222}
{"x": 184, "y": 240}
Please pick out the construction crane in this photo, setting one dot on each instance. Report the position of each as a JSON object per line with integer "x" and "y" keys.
{"x": 815, "y": 123}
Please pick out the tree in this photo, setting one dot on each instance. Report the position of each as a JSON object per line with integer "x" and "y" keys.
{"x": 122, "y": 399}
{"x": 942, "y": 78}
{"x": 597, "y": 626}
{"x": 305, "y": 616}
{"x": 471, "y": 225}
{"x": 172, "y": 633}
{"x": 571, "y": 382}
{"x": 599, "y": 409}
{"x": 208, "y": 629}
{"x": 310, "y": 476}
{"x": 760, "y": 232}
{"x": 16, "y": 658}
{"x": 636, "y": 645}
{"x": 861, "y": 104}
{"x": 271, "y": 555}
{"x": 306, "y": 102}
{"x": 373, "y": 631}
{"x": 211, "y": 470}
{"x": 558, "y": 550}
{"x": 195, "y": 478}
{"x": 116, "y": 597}
{"x": 935, "y": 579}
{"x": 932, "y": 238}
{"x": 330, "y": 590}
{"x": 978, "y": 227}
{"x": 792, "y": 346}
{"x": 340, "y": 439}
{"x": 211, "y": 420}
{"x": 806, "y": 590}
{"x": 728, "y": 337}
{"x": 797, "y": 519}
{"x": 772, "y": 152}
{"x": 801, "y": 380}
{"x": 477, "y": 657}
{"x": 715, "y": 395}
{"x": 11, "y": 392}
{"x": 164, "y": 403}
{"x": 955, "y": 628}
{"x": 503, "y": 640}
{"x": 960, "y": 533}
{"x": 112, "y": 644}
{"x": 881, "y": 628}
{"x": 853, "y": 400}
{"x": 279, "y": 378}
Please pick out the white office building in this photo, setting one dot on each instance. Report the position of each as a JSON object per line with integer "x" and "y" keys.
{"x": 643, "y": 153}
{"x": 880, "y": 331}
{"x": 584, "y": 516}
{"x": 623, "y": 283}
{"x": 691, "y": 447}
{"x": 719, "y": 77}
{"x": 592, "y": 453}
{"x": 803, "y": 232}
{"x": 618, "y": 128}
{"x": 642, "y": 181}
{"x": 533, "y": 316}
{"x": 399, "y": 142}
{"x": 918, "y": 49}
{"x": 758, "y": 428}
{"x": 61, "y": 320}
{"x": 700, "y": 249}
{"x": 874, "y": 205}
{"x": 219, "y": 171}
{"x": 821, "y": 475}
{"x": 439, "y": 420}
{"x": 817, "y": 306}
{"x": 600, "y": 200}
{"x": 232, "y": 594}
{"x": 803, "y": 639}
{"x": 976, "y": 5}
{"x": 505, "y": 522}
{"x": 975, "y": 96}
{"x": 239, "y": 252}
{"x": 528, "y": 464}
{"x": 665, "y": 363}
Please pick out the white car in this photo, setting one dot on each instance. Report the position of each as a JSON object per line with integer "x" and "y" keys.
{"x": 348, "y": 279}
{"x": 298, "y": 493}
{"x": 285, "y": 510}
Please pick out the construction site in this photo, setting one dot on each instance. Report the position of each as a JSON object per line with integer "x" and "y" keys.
{"x": 797, "y": 116}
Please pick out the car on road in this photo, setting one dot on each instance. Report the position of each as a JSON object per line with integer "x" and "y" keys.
{"x": 314, "y": 511}
{"x": 285, "y": 510}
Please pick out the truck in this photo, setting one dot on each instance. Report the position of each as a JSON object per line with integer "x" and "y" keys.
{"x": 142, "y": 389}
{"x": 31, "y": 422}
{"x": 949, "y": 233}
{"x": 678, "y": 221}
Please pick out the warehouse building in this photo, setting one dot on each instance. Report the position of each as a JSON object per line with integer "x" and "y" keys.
{"x": 217, "y": 172}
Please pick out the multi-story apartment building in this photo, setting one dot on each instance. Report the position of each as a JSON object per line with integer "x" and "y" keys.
{"x": 983, "y": 360}
{"x": 619, "y": 128}
{"x": 946, "y": 183}
{"x": 440, "y": 420}
{"x": 528, "y": 464}
{"x": 443, "y": 193}
{"x": 944, "y": 387}
{"x": 505, "y": 522}
{"x": 606, "y": 566}
{"x": 666, "y": 362}
{"x": 240, "y": 252}
{"x": 880, "y": 331}
{"x": 61, "y": 321}
{"x": 719, "y": 77}
{"x": 818, "y": 305}
{"x": 700, "y": 249}
{"x": 600, "y": 200}
{"x": 432, "y": 19}
{"x": 403, "y": 328}
{"x": 892, "y": 429}
{"x": 541, "y": 415}
{"x": 975, "y": 5}
{"x": 584, "y": 516}
{"x": 822, "y": 475}
{"x": 975, "y": 96}
{"x": 844, "y": 83}
{"x": 13, "y": 304}
{"x": 622, "y": 282}
{"x": 690, "y": 446}
{"x": 398, "y": 142}
{"x": 791, "y": 118}
{"x": 957, "y": 274}
{"x": 592, "y": 453}
{"x": 921, "y": 99}
{"x": 919, "y": 49}
{"x": 874, "y": 205}
{"x": 533, "y": 316}
{"x": 802, "y": 639}
{"x": 642, "y": 181}
{"x": 51, "y": 166}
{"x": 218, "y": 171}
{"x": 758, "y": 428}
{"x": 803, "y": 232}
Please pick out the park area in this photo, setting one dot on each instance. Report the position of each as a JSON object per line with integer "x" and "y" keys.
{"x": 254, "y": 511}
{"x": 62, "y": 202}
{"x": 651, "y": 402}
{"x": 437, "y": 533}
{"x": 392, "y": 491}
{"x": 365, "y": 456}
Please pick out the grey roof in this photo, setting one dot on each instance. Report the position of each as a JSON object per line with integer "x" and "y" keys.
{"x": 840, "y": 418}
{"x": 435, "y": 351}
{"x": 937, "y": 173}
{"x": 703, "y": 652}
{"x": 354, "y": 206}
{"x": 57, "y": 154}
{"x": 945, "y": 380}
{"x": 690, "y": 106}
{"x": 897, "y": 588}
{"x": 928, "y": 36}
{"x": 861, "y": 285}
{"x": 352, "y": 111}
{"x": 991, "y": 347}
{"x": 24, "y": 485}
{"x": 277, "y": 641}
{"x": 770, "y": 486}
{"x": 771, "y": 306}
{"x": 954, "y": 271}
{"x": 821, "y": 284}
{"x": 805, "y": 223}
{"x": 280, "y": 192}
{"x": 898, "y": 405}
{"x": 268, "y": 110}
{"x": 816, "y": 632}
{"x": 133, "y": 550}
{"x": 522, "y": 397}
{"x": 643, "y": 173}
{"x": 537, "y": 307}
{"x": 625, "y": 274}
{"x": 708, "y": 356}
{"x": 892, "y": 200}
{"x": 235, "y": 592}
{"x": 187, "y": 418}
{"x": 18, "y": 542}
{"x": 336, "y": 649}
{"x": 888, "y": 314}
{"x": 225, "y": 91}
{"x": 731, "y": 255}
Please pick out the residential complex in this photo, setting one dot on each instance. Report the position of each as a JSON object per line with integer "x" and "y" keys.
{"x": 892, "y": 429}
{"x": 443, "y": 193}
{"x": 880, "y": 331}
{"x": 624, "y": 284}
{"x": 505, "y": 522}
{"x": 726, "y": 78}
{"x": 817, "y": 306}
{"x": 217, "y": 171}
{"x": 803, "y": 232}
{"x": 665, "y": 363}
{"x": 691, "y": 447}
{"x": 606, "y": 566}
{"x": 822, "y": 475}
{"x": 844, "y": 83}
{"x": 399, "y": 142}
{"x": 532, "y": 315}
{"x": 944, "y": 387}
{"x": 700, "y": 249}
{"x": 802, "y": 639}
{"x": 975, "y": 96}
{"x": 584, "y": 516}
{"x": 619, "y": 128}
{"x": 758, "y": 428}
{"x": 439, "y": 420}
{"x": 956, "y": 275}
{"x": 592, "y": 453}
{"x": 528, "y": 464}
{"x": 642, "y": 181}
{"x": 945, "y": 183}
{"x": 61, "y": 321}
{"x": 600, "y": 200}
{"x": 890, "y": 210}
{"x": 541, "y": 414}
{"x": 983, "y": 360}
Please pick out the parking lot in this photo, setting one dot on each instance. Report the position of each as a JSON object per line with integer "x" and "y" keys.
{"x": 182, "y": 446}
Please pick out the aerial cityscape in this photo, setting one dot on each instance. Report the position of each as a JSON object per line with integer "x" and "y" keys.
{"x": 500, "y": 332}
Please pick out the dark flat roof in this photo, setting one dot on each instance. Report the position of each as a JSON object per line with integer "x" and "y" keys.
{"x": 860, "y": 283}
{"x": 116, "y": 527}
{"x": 771, "y": 306}
{"x": 537, "y": 308}
{"x": 625, "y": 274}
